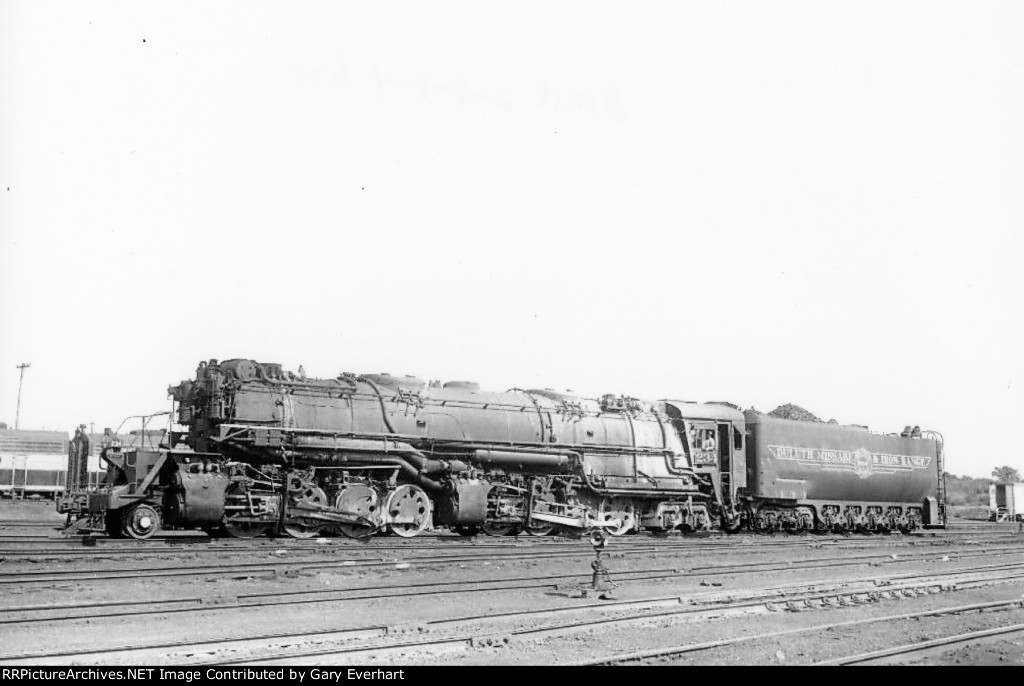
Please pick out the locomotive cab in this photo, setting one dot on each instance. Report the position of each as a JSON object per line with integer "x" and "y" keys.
{"x": 712, "y": 435}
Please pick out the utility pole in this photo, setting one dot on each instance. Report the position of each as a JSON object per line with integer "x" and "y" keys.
{"x": 17, "y": 414}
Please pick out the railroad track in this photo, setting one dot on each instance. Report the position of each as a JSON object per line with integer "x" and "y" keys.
{"x": 105, "y": 574}
{"x": 315, "y": 557}
{"x": 954, "y": 528}
{"x": 662, "y": 653}
{"x": 51, "y": 547}
{"x": 199, "y": 604}
{"x": 887, "y": 655}
{"x": 50, "y": 613}
{"x": 468, "y": 631}
{"x": 445, "y": 539}
{"x": 695, "y": 612}
{"x": 102, "y": 547}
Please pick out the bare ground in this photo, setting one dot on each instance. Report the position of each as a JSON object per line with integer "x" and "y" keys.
{"x": 692, "y": 568}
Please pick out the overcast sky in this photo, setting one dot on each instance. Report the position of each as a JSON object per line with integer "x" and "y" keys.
{"x": 806, "y": 202}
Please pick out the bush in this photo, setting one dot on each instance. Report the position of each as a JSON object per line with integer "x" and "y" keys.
{"x": 966, "y": 491}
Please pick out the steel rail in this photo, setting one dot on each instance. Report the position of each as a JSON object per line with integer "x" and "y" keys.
{"x": 172, "y": 547}
{"x": 499, "y": 638}
{"x": 709, "y": 645}
{"x": 302, "y": 597}
{"x": 699, "y": 604}
{"x": 912, "y": 648}
{"x": 48, "y": 576}
{"x": 314, "y": 596}
{"x": 106, "y": 574}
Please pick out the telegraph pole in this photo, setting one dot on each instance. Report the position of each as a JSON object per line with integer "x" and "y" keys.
{"x": 17, "y": 414}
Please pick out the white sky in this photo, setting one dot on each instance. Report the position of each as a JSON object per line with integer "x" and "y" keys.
{"x": 807, "y": 202}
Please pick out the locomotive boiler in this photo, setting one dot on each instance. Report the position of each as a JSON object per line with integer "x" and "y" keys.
{"x": 266, "y": 450}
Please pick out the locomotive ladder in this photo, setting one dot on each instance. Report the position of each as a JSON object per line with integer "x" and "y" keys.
{"x": 942, "y": 482}
{"x": 941, "y": 467}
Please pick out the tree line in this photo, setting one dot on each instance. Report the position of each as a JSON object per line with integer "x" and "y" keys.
{"x": 970, "y": 490}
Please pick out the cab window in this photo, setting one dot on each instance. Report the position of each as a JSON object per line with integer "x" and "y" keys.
{"x": 703, "y": 443}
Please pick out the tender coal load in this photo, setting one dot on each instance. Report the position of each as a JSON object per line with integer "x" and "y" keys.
{"x": 795, "y": 412}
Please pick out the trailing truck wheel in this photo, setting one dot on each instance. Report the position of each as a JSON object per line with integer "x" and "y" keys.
{"x": 732, "y": 525}
{"x": 140, "y": 521}
{"x": 408, "y": 511}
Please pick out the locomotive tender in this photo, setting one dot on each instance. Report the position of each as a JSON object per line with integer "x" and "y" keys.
{"x": 269, "y": 451}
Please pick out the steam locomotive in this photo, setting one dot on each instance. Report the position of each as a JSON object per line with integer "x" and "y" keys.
{"x": 270, "y": 451}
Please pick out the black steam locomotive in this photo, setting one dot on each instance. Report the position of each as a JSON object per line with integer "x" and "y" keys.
{"x": 270, "y": 451}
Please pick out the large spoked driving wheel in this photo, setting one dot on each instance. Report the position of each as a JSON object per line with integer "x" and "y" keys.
{"x": 620, "y": 510}
{"x": 299, "y": 527}
{"x": 361, "y": 500}
{"x": 408, "y": 511}
{"x": 140, "y": 521}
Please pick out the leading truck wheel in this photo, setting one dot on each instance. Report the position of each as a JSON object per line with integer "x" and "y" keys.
{"x": 140, "y": 521}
